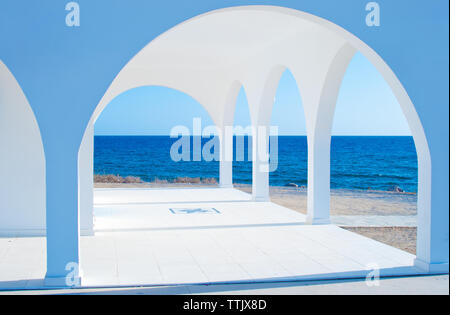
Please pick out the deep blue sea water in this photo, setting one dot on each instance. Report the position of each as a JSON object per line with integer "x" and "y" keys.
{"x": 356, "y": 162}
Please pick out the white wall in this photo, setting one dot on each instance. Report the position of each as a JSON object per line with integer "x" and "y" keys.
{"x": 22, "y": 163}
{"x": 86, "y": 182}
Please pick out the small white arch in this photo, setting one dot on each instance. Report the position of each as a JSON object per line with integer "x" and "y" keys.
{"x": 86, "y": 162}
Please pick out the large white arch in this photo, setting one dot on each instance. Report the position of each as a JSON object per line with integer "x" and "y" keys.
{"x": 206, "y": 55}
{"x": 22, "y": 163}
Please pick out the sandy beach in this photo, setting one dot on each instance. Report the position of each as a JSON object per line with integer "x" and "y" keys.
{"x": 343, "y": 203}
{"x": 347, "y": 202}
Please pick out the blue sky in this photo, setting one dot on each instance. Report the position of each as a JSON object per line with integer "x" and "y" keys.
{"x": 366, "y": 106}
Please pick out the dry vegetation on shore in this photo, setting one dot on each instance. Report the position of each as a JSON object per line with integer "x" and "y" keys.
{"x": 117, "y": 179}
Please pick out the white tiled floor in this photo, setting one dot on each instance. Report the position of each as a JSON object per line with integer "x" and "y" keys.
{"x": 235, "y": 255}
{"x": 246, "y": 242}
{"x": 167, "y": 195}
{"x": 138, "y": 209}
{"x": 153, "y": 217}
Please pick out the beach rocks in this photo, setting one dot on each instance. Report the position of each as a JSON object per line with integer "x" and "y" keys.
{"x": 292, "y": 185}
{"x": 117, "y": 179}
{"x": 396, "y": 189}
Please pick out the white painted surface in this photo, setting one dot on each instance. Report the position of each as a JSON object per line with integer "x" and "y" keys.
{"x": 234, "y": 254}
{"x": 86, "y": 182}
{"x": 159, "y": 216}
{"x": 22, "y": 163}
{"x": 148, "y": 209}
{"x": 167, "y": 195}
{"x": 319, "y": 137}
{"x": 425, "y": 285}
{"x": 226, "y": 158}
{"x": 248, "y": 254}
{"x": 248, "y": 242}
{"x": 250, "y": 52}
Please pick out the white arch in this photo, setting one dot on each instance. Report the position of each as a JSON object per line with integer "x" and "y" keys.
{"x": 206, "y": 73}
{"x": 86, "y": 170}
{"x": 22, "y": 163}
{"x": 99, "y": 110}
{"x": 144, "y": 72}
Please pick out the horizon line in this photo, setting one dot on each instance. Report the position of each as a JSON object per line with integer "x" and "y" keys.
{"x": 163, "y": 135}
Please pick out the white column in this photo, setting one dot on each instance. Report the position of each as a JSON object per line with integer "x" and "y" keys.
{"x": 261, "y": 167}
{"x": 433, "y": 214}
{"x": 321, "y": 105}
{"x": 261, "y": 88}
{"x": 63, "y": 233}
{"x": 319, "y": 180}
{"x": 86, "y": 184}
{"x": 226, "y": 158}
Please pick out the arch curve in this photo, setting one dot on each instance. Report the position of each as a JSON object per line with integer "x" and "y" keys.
{"x": 206, "y": 73}
{"x": 22, "y": 163}
{"x": 223, "y": 76}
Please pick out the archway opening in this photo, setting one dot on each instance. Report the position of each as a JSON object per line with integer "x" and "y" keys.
{"x": 205, "y": 78}
{"x": 374, "y": 167}
{"x": 139, "y": 128}
{"x": 242, "y": 140}
{"x": 289, "y": 177}
{"x": 150, "y": 139}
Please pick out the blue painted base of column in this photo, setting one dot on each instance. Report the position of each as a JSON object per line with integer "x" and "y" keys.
{"x": 61, "y": 282}
{"x": 438, "y": 268}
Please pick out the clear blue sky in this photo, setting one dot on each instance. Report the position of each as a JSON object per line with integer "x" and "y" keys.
{"x": 366, "y": 106}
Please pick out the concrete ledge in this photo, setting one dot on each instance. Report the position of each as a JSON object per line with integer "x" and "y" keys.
{"x": 37, "y": 233}
{"x": 261, "y": 199}
{"x": 436, "y": 269}
{"x": 23, "y": 233}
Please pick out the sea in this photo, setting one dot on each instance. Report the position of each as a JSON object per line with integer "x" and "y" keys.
{"x": 357, "y": 162}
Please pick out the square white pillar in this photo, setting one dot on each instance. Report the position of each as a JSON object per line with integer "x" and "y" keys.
{"x": 86, "y": 182}
{"x": 318, "y": 180}
{"x": 226, "y": 158}
{"x": 261, "y": 165}
{"x": 433, "y": 217}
